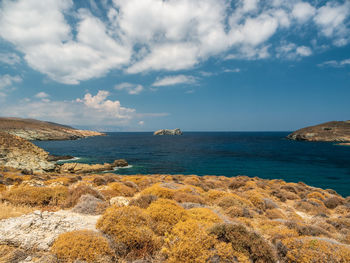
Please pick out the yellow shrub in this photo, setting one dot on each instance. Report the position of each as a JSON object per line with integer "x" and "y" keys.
{"x": 274, "y": 229}
{"x": 315, "y": 195}
{"x": 129, "y": 227}
{"x": 159, "y": 191}
{"x": 204, "y": 215}
{"x": 232, "y": 200}
{"x": 304, "y": 250}
{"x": 190, "y": 242}
{"x": 166, "y": 213}
{"x": 274, "y": 214}
{"x": 60, "y": 180}
{"x": 213, "y": 195}
{"x": 36, "y": 196}
{"x": 81, "y": 245}
{"x": 256, "y": 198}
{"x": 120, "y": 189}
{"x": 8, "y": 210}
{"x": 183, "y": 197}
{"x": 2, "y": 188}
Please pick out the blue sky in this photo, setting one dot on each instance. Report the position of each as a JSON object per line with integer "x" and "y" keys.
{"x": 209, "y": 65}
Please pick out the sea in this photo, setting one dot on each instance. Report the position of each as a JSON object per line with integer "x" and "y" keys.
{"x": 266, "y": 155}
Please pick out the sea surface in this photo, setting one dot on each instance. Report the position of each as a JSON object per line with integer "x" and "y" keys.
{"x": 262, "y": 154}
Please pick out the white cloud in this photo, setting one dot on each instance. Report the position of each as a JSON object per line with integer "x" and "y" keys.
{"x": 110, "y": 108}
{"x": 7, "y": 81}
{"x": 292, "y": 51}
{"x": 235, "y": 70}
{"x": 9, "y": 58}
{"x": 40, "y": 31}
{"x": 174, "y": 80}
{"x": 303, "y": 51}
{"x": 141, "y": 123}
{"x": 303, "y": 11}
{"x": 132, "y": 89}
{"x": 334, "y": 63}
{"x": 330, "y": 19}
{"x": 42, "y": 95}
{"x": 138, "y": 36}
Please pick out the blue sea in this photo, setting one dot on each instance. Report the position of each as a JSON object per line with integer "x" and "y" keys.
{"x": 262, "y": 154}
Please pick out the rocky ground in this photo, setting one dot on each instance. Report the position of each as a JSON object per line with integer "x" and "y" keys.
{"x": 39, "y": 130}
{"x": 334, "y": 131}
{"x": 69, "y": 217}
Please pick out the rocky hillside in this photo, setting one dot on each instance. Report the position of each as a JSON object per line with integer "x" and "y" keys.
{"x": 176, "y": 131}
{"x": 30, "y": 129}
{"x": 333, "y": 131}
{"x": 18, "y": 153}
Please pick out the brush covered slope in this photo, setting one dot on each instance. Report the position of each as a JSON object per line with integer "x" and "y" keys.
{"x": 169, "y": 218}
{"x": 333, "y": 131}
{"x": 30, "y": 129}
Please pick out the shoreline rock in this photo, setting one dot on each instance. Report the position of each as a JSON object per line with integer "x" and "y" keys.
{"x": 176, "y": 131}
{"x": 334, "y": 131}
{"x": 82, "y": 168}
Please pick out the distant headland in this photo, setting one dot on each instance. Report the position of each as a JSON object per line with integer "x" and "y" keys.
{"x": 176, "y": 131}
{"x": 333, "y": 131}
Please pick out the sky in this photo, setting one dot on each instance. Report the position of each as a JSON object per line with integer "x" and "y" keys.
{"x": 143, "y": 65}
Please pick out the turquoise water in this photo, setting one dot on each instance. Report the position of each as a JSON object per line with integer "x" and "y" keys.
{"x": 263, "y": 154}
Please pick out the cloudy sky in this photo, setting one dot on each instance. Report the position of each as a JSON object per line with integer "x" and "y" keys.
{"x": 141, "y": 65}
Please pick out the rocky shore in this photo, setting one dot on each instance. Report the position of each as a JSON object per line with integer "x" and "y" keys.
{"x": 334, "y": 131}
{"x": 39, "y": 130}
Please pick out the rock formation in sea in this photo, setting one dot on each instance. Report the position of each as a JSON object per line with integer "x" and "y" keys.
{"x": 18, "y": 153}
{"x": 176, "y": 131}
{"x": 30, "y": 129}
{"x": 333, "y": 131}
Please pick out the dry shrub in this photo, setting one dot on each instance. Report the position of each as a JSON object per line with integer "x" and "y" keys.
{"x": 311, "y": 207}
{"x": 99, "y": 180}
{"x": 90, "y": 205}
{"x": 142, "y": 181}
{"x": 275, "y": 230}
{"x": 190, "y": 242}
{"x": 193, "y": 180}
{"x": 2, "y": 188}
{"x": 238, "y": 212}
{"x": 143, "y": 201}
{"x": 204, "y": 215}
{"x": 306, "y": 230}
{"x": 119, "y": 189}
{"x": 9, "y": 210}
{"x": 36, "y": 196}
{"x": 76, "y": 192}
{"x": 183, "y": 197}
{"x": 316, "y": 250}
{"x": 159, "y": 191}
{"x": 246, "y": 242}
{"x": 10, "y": 254}
{"x": 237, "y": 182}
{"x": 66, "y": 181}
{"x": 81, "y": 245}
{"x": 213, "y": 195}
{"x": 316, "y": 195}
{"x": 232, "y": 200}
{"x": 333, "y": 202}
{"x": 256, "y": 199}
{"x": 275, "y": 214}
{"x": 130, "y": 229}
{"x": 166, "y": 213}
{"x": 340, "y": 223}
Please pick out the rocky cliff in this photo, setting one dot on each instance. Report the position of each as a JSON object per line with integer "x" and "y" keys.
{"x": 18, "y": 153}
{"x": 168, "y": 132}
{"x": 39, "y": 130}
{"x": 334, "y": 131}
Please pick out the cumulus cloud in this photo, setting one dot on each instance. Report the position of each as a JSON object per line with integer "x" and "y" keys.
{"x": 174, "y": 80}
{"x": 9, "y": 58}
{"x": 7, "y": 81}
{"x": 303, "y": 11}
{"x": 132, "y": 89}
{"x": 42, "y": 95}
{"x": 110, "y": 108}
{"x": 292, "y": 51}
{"x": 137, "y": 36}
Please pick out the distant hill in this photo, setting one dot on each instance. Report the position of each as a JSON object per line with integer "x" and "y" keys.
{"x": 333, "y": 131}
{"x": 31, "y": 129}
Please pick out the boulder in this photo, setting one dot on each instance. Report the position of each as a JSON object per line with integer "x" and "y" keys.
{"x": 78, "y": 168}
{"x": 120, "y": 163}
{"x": 176, "y": 131}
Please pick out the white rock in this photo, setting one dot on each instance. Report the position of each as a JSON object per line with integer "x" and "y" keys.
{"x": 119, "y": 201}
